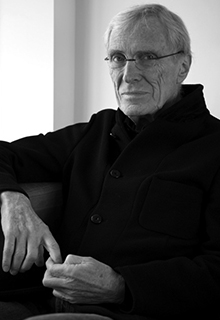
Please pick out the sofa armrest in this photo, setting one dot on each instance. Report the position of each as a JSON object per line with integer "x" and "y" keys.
{"x": 47, "y": 201}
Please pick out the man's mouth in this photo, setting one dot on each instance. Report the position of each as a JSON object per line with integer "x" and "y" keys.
{"x": 133, "y": 93}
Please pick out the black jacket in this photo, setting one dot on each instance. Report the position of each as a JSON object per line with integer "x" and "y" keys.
{"x": 146, "y": 203}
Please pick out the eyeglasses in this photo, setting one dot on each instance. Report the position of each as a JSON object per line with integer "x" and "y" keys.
{"x": 142, "y": 59}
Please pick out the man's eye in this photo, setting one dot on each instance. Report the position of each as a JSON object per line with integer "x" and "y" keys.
{"x": 118, "y": 58}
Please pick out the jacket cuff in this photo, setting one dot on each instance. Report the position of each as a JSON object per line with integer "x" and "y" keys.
{"x": 127, "y": 305}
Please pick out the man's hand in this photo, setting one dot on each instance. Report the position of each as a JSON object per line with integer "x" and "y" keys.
{"x": 84, "y": 280}
{"x": 26, "y": 235}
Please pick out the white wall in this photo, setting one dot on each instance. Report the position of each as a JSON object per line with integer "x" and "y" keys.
{"x": 26, "y": 67}
{"x": 64, "y": 62}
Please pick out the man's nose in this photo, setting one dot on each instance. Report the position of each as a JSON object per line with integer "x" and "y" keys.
{"x": 131, "y": 73}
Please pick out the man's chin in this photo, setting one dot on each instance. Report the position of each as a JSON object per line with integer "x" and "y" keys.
{"x": 134, "y": 112}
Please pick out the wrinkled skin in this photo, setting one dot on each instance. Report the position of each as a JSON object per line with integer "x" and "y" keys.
{"x": 84, "y": 280}
{"x": 26, "y": 235}
{"x": 142, "y": 92}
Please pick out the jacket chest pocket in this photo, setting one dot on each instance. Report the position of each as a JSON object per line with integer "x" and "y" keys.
{"x": 172, "y": 208}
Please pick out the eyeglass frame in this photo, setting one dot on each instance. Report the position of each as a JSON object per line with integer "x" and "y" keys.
{"x": 156, "y": 58}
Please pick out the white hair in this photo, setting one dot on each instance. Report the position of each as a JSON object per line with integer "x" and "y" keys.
{"x": 174, "y": 28}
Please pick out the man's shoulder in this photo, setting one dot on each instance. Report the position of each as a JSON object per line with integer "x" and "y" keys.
{"x": 213, "y": 124}
{"x": 101, "y": 121}
{"x": 103, "y": 117}
{"x": 105, "y": 113}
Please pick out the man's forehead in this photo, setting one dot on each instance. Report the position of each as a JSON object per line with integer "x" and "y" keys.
{"x": 150, "y": 33}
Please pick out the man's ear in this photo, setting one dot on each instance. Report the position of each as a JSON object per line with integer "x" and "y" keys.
{"x": 184, "y": 66}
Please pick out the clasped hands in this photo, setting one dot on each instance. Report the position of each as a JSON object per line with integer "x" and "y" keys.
{"x": 84, "y": 280}
{"x": 81, "y": 280}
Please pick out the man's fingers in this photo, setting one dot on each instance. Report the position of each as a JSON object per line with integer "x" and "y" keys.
{"x": 53, "y": 282}
{"x": 54, "y": 269}
{"x": 58, "y": 271}
{"x": 35, "y": 255}
{"x": 8, "y": 251}
{"x": 19, "y": 255}
{"x": 53, "y": 276}
{"x": 13, "y": 254}
{"x": 73, "y": 259}
{"x": 53, "y": 248}
{"x": 40, "y": 261}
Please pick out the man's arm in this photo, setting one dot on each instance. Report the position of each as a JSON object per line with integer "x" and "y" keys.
{"x": 32, "y": 159}
{"x": 26, "y": 235}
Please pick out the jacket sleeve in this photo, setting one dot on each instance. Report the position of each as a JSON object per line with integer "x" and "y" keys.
{"x": 37, "y": 158}
{"x": 181, "y": 285}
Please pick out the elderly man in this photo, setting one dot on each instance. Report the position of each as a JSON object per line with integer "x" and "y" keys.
{"x": 140, "y": 234}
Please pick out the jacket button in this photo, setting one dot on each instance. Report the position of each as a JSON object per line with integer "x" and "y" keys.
{"x": 96, "y": 218}
{"x": 115, "y": 173}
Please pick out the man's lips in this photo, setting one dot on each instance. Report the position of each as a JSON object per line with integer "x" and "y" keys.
{"x": 133, "y": 93}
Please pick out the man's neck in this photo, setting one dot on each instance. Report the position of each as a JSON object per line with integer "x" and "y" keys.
{"x": 151, "y": 117}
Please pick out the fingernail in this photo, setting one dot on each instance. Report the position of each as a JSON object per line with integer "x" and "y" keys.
{"x": 13, "y": 272}
{"x": 5, "y": 268}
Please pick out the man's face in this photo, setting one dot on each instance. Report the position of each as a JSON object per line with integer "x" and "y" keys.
{"x": 146, "y": 90}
